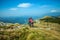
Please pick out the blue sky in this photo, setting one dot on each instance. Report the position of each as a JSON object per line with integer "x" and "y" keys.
{"x": 28, "y": 7}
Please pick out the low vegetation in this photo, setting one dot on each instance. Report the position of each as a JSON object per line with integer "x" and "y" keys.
{"x": 42, "y": 30}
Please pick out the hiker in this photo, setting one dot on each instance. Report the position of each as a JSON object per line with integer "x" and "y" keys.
{"x": 31, "y": 22}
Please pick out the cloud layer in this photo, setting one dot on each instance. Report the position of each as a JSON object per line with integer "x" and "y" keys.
{"x": 21, "y": 5}
{"x": 53, "y": 10}
{"x": 24, "y": 5}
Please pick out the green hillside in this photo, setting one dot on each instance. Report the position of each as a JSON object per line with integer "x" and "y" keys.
{"x": 51, "y": 19}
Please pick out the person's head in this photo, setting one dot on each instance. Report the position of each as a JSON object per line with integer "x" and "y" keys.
{"x": 30, "y": 18}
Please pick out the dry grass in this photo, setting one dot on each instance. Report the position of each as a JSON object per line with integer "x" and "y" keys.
{"x": 38, "y": 32}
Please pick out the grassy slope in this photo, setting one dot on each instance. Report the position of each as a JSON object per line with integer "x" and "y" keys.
{"x": 38, "y": 32}
{"x": 54, "y": 29}
{"x": 27, "y": 33}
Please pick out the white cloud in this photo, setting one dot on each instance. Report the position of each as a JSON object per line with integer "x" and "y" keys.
{"x": 24, "y": 5}
{"x": 53, "y": 10}
{"x": 13, "y": 9}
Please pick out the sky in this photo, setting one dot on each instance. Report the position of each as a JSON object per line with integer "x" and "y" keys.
{"x": 28, "y": 7}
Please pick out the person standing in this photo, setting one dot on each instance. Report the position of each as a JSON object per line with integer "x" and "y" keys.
{"x": 31, "y": 22}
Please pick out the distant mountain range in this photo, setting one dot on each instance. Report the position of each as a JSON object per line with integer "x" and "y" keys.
{"x": 24, "y": 19}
